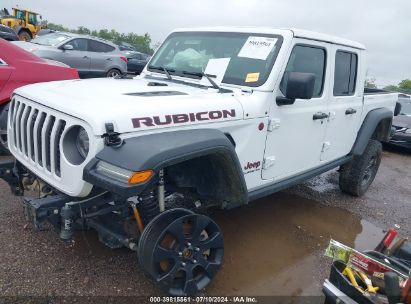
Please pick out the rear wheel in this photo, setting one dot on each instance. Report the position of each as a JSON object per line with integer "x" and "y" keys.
{"x": 182, "y": 253}
{"x": 357, "y": 175}
{"x": 24, "y": 35}
{"x": 113, "y": 73}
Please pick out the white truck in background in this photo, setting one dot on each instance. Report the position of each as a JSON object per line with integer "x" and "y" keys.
{"x": 218, "y": 118}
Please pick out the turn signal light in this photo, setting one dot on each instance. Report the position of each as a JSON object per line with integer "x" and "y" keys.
{"x": 140, "y": 177}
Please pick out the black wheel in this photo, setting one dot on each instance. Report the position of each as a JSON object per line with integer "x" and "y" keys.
{"x": 183, "y": 256}
{"x": 113, "y": 73}
{"x": 357, "y": 175}
{"x": 164, "y": 218}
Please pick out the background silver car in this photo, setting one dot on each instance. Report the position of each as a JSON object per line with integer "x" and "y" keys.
{"x": 92, "y": 57}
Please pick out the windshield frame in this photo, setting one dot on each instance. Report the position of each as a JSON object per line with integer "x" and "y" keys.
{"x": 260, "y": 82}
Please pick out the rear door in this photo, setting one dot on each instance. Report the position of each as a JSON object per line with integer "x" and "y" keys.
{"x": 295, "y": 135}
{"x": 345, "y": 103}
{"x": 101, "y": 57}
{"x": 78, "y": 57}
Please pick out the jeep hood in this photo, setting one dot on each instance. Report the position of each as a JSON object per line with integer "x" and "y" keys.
{"x": 138, "y": 104}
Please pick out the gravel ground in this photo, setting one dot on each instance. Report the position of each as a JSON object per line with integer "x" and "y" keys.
{"x": 273, "y": 246}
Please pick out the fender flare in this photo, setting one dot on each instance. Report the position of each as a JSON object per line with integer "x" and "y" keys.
{"x": 160, "y": 150}
{"x": 368, "y": 127}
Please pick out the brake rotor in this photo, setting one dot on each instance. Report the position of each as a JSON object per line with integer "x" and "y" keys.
{"x": 183, "y": 255}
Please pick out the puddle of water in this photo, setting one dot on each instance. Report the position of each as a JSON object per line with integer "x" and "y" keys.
{"x": 274, "y": 246}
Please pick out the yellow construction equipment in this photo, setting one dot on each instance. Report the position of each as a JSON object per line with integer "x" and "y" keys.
{"x": 25, "y": 23}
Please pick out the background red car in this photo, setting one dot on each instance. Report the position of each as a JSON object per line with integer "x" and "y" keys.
{"x": 18, "y": 68}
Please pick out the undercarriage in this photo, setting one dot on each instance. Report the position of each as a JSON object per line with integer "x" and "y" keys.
{"x": 178, "y": 245}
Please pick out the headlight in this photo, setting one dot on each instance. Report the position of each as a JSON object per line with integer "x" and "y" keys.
{"x": 408, "y": 131}
{"x": 76, "y": 144}
{"x": 82, "y": 142}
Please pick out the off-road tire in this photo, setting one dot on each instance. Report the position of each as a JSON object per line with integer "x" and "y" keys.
{"x": 24, "y": 35}
{"x": 357, "y": 175}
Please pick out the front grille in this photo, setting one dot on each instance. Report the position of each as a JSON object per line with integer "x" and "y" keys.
{"x": 37, "y": 135}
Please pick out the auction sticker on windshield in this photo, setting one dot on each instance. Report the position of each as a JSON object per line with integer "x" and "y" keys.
{"x": 257, "y": 47}
{"x": 216, "y": 67}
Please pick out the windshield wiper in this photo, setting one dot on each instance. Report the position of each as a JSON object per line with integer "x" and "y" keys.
{"x": 208, "y": 76}
{"x": 165, "y": 70}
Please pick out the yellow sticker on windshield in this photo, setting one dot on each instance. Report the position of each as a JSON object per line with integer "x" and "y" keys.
{"x": 252, "y": 77}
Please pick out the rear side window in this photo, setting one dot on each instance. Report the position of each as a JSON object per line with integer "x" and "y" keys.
{"x": 99, "y": 47}
{"x": 137, "y": 56}
{"x": 306, "y": 59}
{"x": 345, "y": 74}
{"x": 78, "y": 44}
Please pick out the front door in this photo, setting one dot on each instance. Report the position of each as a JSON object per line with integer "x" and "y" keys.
{"x": 345, "y": 103}
{"x": 78, "y": 57}
{"x": 296, "y": 132}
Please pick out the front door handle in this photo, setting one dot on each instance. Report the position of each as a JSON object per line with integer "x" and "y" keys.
{"x": 85, "y": 57}
{"x": 350, "y": 111}
{"x": 320, "y": 115}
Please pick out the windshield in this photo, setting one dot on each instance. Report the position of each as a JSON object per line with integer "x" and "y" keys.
{"x": 252, "y": 56}
{"x": 52, "y": 39}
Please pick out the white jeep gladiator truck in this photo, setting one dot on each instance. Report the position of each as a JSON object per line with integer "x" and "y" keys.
{"x": 219, "y": 117}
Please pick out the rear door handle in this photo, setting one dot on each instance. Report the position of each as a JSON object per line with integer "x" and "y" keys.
{"x": 320, "y": 115}
{"x": 109, "y": 59}
{"x": 86, "y": 57}
{"x": 350, "y": 111}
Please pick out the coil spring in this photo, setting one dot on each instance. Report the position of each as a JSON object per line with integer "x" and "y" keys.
{"x": 148, "y": 206}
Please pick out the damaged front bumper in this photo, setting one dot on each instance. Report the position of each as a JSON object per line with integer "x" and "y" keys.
{"x": 100, "y": 210}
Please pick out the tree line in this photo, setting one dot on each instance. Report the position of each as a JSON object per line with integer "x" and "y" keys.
{"x": 140, "y": 42}
{"x": 403, "y": 87}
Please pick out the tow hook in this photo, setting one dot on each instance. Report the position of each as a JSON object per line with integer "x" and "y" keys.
{"x": 112, "y": 138}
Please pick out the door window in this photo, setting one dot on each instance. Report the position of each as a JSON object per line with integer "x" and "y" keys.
{"x": 99, "y": 47}
{"x": 78, "y": 44}
{"x": 20, "y": 15}
{"x": 306, "y": 59}
{"x": 345, "y": 74}
{"x": 32, "y": 19}
{"x": 137, "y": 56}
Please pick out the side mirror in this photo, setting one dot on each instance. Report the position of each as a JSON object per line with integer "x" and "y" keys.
{"x": 68, "y": 47}
{"x": 397, "y": 110}
{"x": 299, "y": 86}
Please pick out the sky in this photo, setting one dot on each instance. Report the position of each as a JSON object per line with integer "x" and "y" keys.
{"x": 383, "y": 26}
